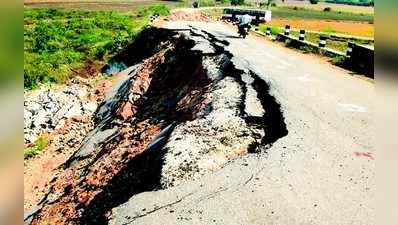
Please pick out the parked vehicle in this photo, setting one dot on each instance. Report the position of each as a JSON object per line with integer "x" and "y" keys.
{"x": 258, "y": 16}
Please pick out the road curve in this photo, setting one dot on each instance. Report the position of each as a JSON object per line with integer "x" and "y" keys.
{"x": 322, "y": 172}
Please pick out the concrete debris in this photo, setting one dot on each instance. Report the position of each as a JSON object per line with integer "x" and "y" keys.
{"x": 46, "y": 110}
{"x": 207, "y": 144}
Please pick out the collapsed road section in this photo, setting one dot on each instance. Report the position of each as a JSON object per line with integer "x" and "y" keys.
{"x": 180, "y": 110}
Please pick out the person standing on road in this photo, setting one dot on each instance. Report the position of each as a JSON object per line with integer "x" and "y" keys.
{"x": 244, "y": 21}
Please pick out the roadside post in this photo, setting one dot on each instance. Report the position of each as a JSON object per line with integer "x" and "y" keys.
{"x": 268, "y": 31}
{"x": 349, "y": 49}
{"x": 287, "y": 30}
{"x": 322, "y": 41}
{"x": 302, "y": 35}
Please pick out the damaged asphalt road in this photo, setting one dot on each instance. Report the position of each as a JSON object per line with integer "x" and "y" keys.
{"x": 176, "y": 114}
{"x": 171, "y": 142}
{"x": 311, "y": 176}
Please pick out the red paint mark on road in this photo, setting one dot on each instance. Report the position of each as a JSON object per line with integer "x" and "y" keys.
{"x": 364, "y": 154}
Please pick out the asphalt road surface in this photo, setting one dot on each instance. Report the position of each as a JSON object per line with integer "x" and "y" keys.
{"x": 322, "y": 172}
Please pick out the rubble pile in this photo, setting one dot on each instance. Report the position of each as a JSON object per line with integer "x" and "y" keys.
{"x": 189, "y": 15}
{"x": 47, "y": 110}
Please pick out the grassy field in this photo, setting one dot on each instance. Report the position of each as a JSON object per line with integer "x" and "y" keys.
{"x": 350, "y": 23}
{"x": 334, "y": 7}
{"x": 108, "y": 5}
{"x": 306, "y": 13}
{"x": 57, "y": 43}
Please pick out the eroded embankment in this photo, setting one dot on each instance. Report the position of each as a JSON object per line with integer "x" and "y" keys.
{"x": 180, "y": 110}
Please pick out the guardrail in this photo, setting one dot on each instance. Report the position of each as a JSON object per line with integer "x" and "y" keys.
{"x": 358, "y": 58}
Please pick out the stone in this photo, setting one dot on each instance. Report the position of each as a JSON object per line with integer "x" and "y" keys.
{"x": 89, "y": 107}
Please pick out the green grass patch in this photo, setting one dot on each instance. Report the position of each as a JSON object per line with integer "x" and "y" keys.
{"x": 338, "y": 60}
{"x": 207, "y": 3}
{"x": 162, "y": 10}
{"x": 37, "y": 147}
{"x": 57, "y": 41}
{"x": 338, "y": 44}
{"x": 211, "y": 3}
{"x": 305, "y": 13}
{"x": 274, "y": 29}
{"x": 353, "y": 2}
{"x": 329, "y": 30}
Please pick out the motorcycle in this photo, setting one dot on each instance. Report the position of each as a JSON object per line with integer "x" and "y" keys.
{"x": 243, "y": 30}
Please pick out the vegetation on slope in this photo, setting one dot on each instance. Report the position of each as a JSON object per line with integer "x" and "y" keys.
{"x": 58, "y": 42}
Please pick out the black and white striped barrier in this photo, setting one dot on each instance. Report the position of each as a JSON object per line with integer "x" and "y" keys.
{"x": 268, "y": 31}
{"x": 349, "y": 49}
{"x": 322, "y": 41}
{"x": 287, "y": 30}
{"x": 302, "y": 35}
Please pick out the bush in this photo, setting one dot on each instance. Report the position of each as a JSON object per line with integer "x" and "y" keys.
{"x": 237, "y": 2}
{"x": 327, "y": 9}
{"x": 338, "y": 60}
{"x": 274, "y": 29}
{"x": 314, "y": 1}
{"x": 262, "y": 28}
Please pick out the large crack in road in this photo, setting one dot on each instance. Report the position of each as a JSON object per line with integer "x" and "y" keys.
{"x": 181, "y": 110}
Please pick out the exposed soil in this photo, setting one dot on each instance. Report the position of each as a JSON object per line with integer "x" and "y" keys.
{"x": 148, "y": 90}
{"x": 347, "y": 27}
{"x": 89, "y": 68}
{"x": 39, "y": 170}
{"x": 189, "y": 15}
{"x": 65, "y": 131}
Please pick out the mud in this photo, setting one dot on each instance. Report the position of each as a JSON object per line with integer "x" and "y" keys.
{"x": 180, "y": 110}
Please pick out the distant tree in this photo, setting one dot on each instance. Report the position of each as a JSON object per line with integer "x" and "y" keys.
{"x": 269, "y": 3}
{"x": 314, "y": 1}
{"x": 237, "y": 2}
